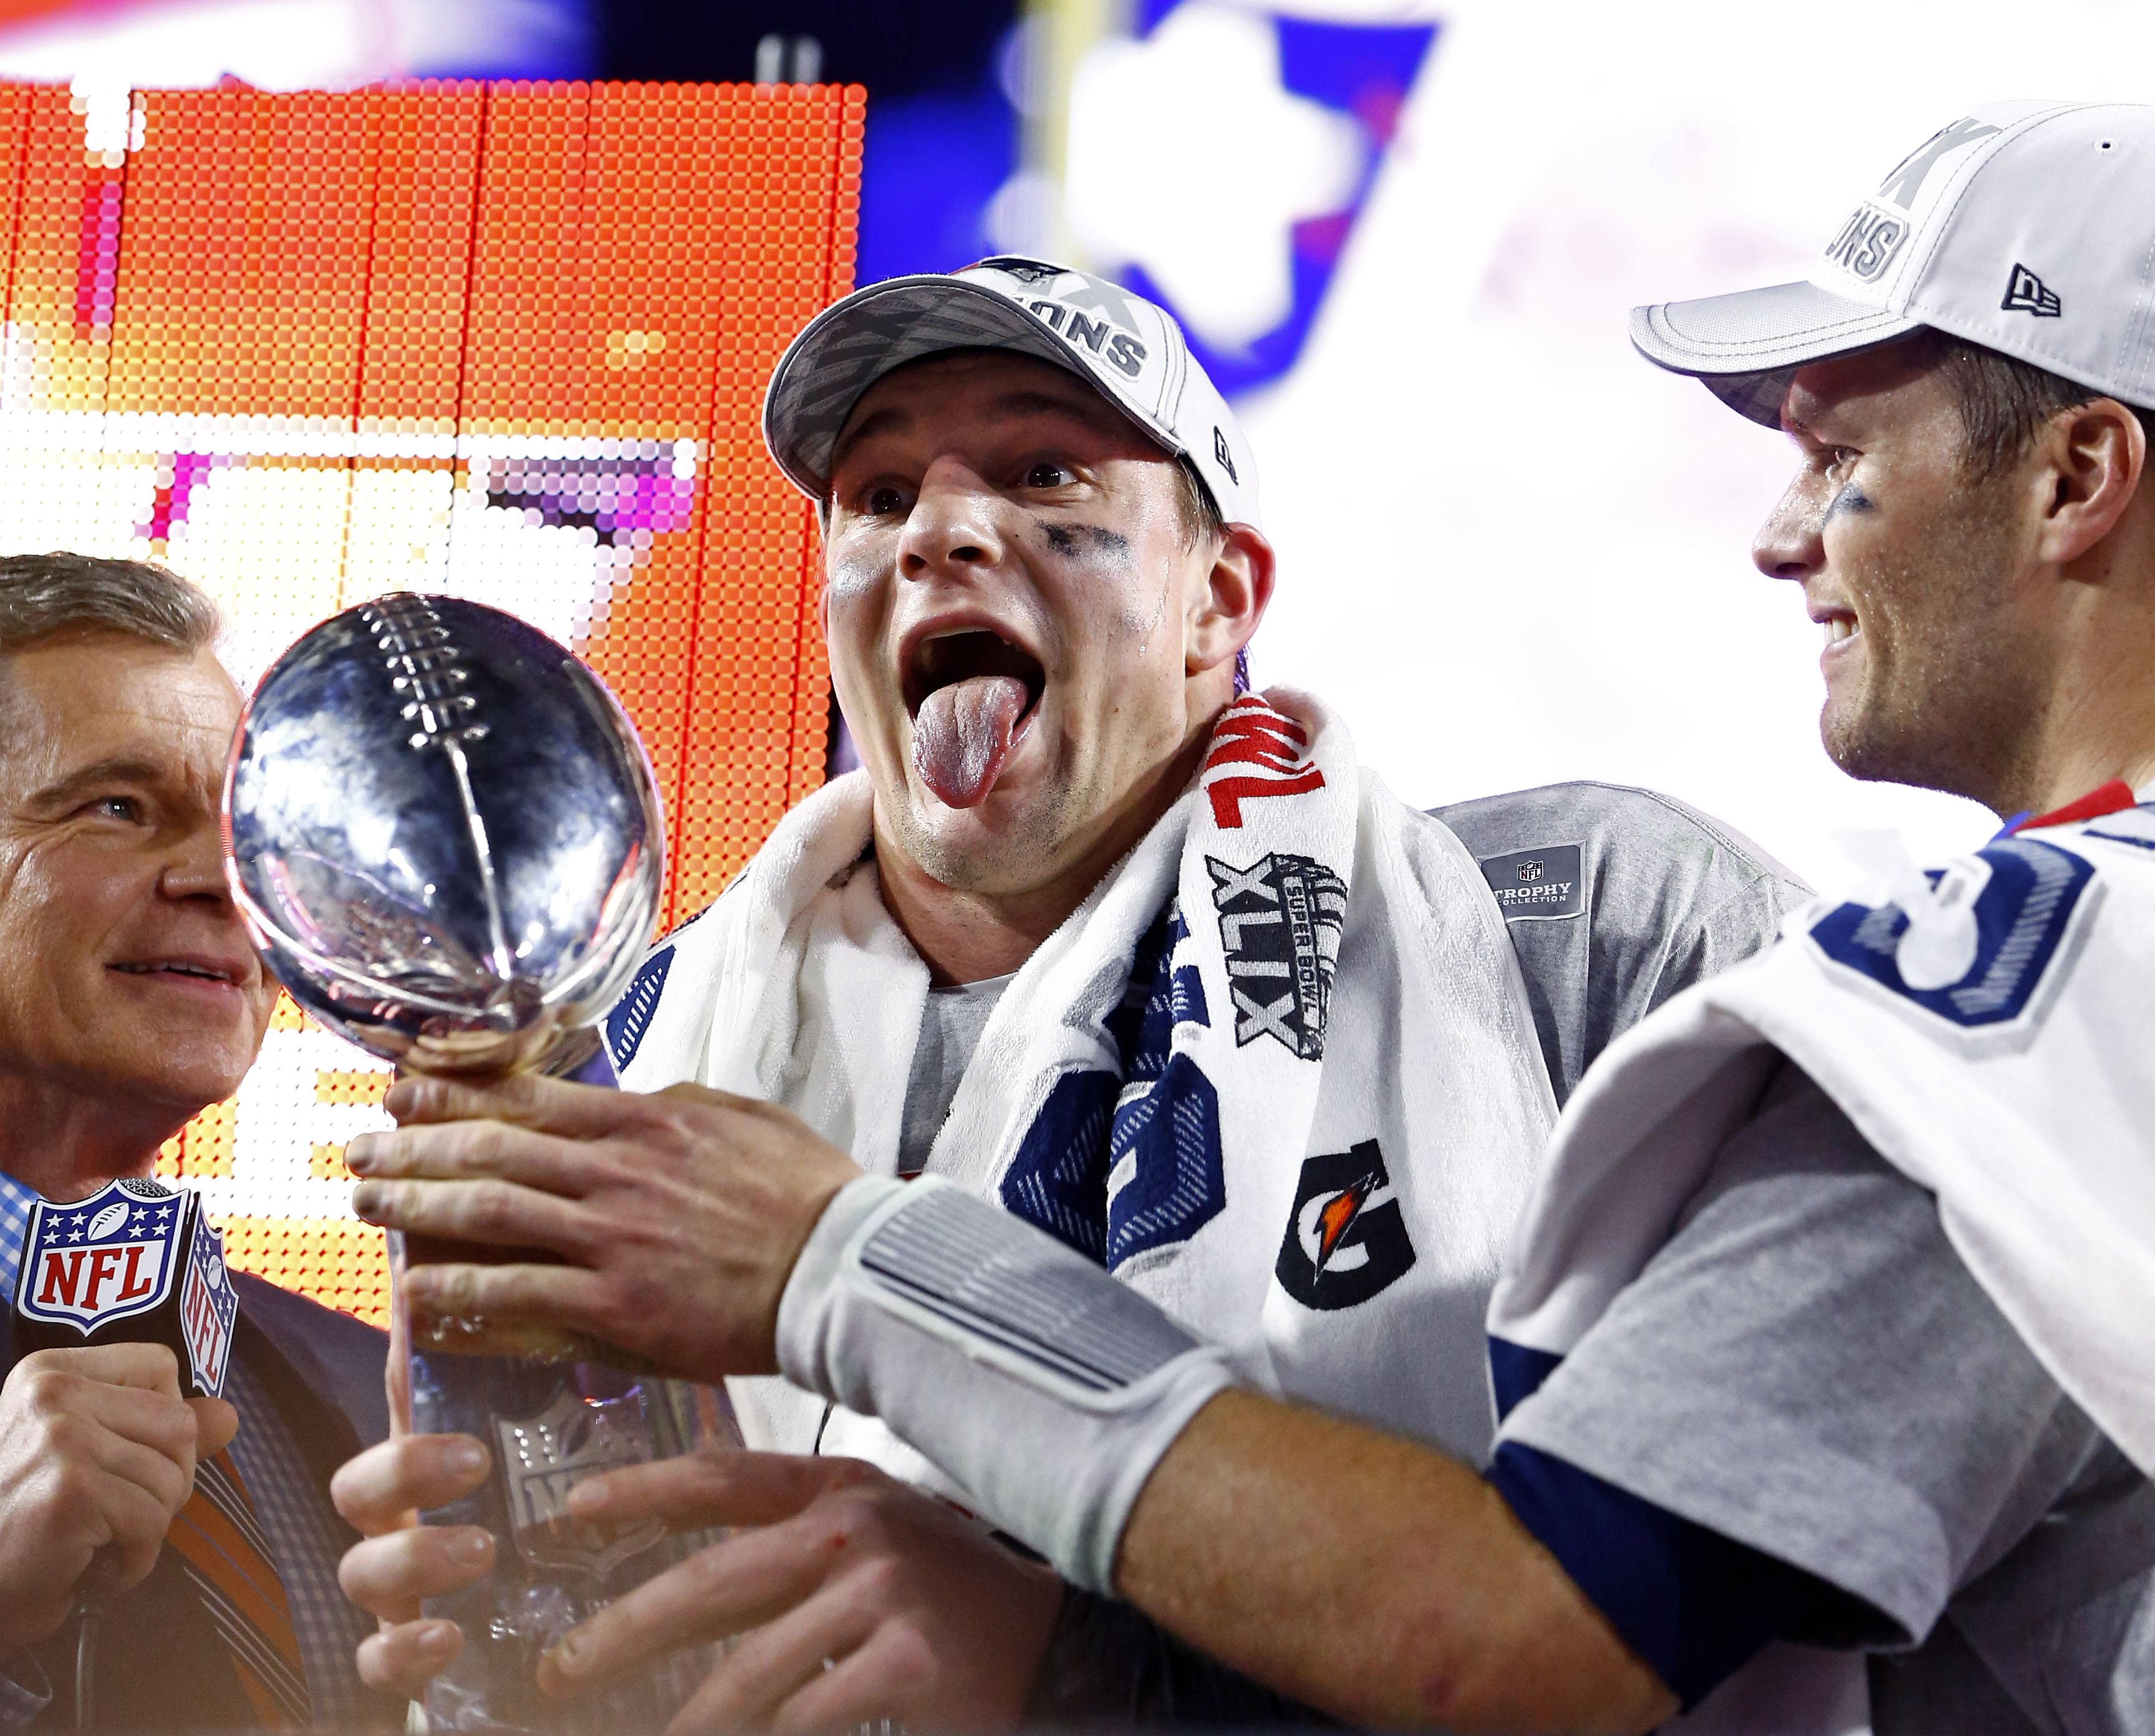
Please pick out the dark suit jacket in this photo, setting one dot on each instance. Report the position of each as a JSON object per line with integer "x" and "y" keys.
{"x": 160, "y": 1661}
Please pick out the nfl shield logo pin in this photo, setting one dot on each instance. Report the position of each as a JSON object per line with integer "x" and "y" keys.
{"x": 545, "y": 1456}
{"x": 109, "y": 1258}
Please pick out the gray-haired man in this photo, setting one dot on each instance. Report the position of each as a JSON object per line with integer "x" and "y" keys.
{"x": 130, "y": 999}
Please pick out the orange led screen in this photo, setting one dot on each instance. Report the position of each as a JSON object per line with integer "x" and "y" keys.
{"x": 508, "y": 341}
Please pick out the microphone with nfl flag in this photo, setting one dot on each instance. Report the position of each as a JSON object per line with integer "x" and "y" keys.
{"x": 136, "y": 1263}
{"x": 444, "y": 837}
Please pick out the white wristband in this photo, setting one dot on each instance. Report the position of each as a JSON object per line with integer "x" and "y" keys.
{"x": 1047, "y": 1390}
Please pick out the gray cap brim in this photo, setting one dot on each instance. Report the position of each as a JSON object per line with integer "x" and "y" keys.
{"x": 847, "y": 348}
{"x": 1744, "y": 347}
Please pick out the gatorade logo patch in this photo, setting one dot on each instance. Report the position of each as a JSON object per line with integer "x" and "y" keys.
{"x": 1346, "y": 1238}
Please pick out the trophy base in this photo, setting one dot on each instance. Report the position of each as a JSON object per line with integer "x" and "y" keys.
{"x": 550, "y": 1425}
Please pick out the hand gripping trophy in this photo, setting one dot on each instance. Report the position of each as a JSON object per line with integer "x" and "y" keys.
{"x": 445, "y": 839}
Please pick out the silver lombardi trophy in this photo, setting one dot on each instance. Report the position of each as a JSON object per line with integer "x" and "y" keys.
{"x": 445, "y": 839}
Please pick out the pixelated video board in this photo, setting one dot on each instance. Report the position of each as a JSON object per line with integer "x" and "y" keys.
{"x": 505, "y": 340}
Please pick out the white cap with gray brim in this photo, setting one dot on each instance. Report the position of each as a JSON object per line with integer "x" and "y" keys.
{"x": 1131, "y": 351}
{"x": 2027, "y": 227}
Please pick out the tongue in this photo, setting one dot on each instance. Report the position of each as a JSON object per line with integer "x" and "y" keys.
{"x": 963, "y": 735}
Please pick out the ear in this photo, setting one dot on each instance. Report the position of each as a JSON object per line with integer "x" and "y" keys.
{"x": 1224, "y": 613}
{"x": 2092, "y": 460}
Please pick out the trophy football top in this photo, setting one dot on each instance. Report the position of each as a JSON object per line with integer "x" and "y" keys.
{"x": 444, "y": 834}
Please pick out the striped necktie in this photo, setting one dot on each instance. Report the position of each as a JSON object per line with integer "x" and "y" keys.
{"x": 228, "y": 1557}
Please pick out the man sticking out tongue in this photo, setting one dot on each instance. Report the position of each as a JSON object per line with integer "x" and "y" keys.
{"x": 1092, "y": 939}
{"x": 963, "y": 733}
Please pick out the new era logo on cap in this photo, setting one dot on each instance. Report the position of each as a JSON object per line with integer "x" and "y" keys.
{"x": 2072, "y": 185}
{"x": 2024, "y": 294}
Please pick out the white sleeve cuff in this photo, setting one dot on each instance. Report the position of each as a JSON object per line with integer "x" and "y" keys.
{"x": 1044, "y": 1387}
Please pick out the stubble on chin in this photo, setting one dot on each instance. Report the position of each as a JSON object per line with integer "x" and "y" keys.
{"x": 1945, "y": 693}
{"x": 1021, "y": 853}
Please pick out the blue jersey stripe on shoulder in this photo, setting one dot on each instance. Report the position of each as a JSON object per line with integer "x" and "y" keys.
{"x": 1696, "y": 1605}
{"x": 1517, "y": 1372}
{"x": 632, "y": 1015}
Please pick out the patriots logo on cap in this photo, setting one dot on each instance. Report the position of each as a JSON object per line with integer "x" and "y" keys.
{"x": 107, "y": 1257}
{"x": 1025, "y": 271}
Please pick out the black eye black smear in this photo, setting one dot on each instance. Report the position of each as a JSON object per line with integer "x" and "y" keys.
{"x": 1851, "y": 498}
{"x": 1064, "y": 540}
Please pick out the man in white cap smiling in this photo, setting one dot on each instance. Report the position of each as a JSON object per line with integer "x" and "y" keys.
{"x": 1147, "y": 975}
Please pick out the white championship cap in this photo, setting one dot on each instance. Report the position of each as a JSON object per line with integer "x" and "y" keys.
{"x": 1130, "y": 350}
{"x": 2028, "y": 228}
